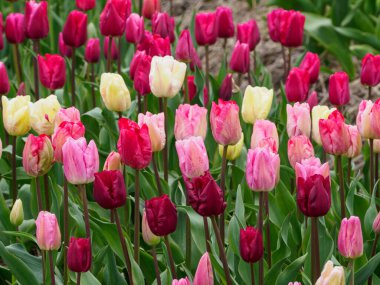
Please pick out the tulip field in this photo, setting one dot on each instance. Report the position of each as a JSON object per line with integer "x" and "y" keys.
{"x": 182, "y": 142}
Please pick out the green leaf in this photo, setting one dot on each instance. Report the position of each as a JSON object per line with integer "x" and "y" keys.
{"x": 291, "y": 271}
{"x": 362, "y": 275}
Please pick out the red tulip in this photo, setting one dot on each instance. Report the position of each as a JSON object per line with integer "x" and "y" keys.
{"x": 92, "y": 52}
{"x": 224, "y": 22}
{"x": 135, "y": 62}
{"x": 248, "y": 33}
{"x": 109, "y": 189}
{"x": 52, "y": 71}
{"x": 4, "y": 80}
{"x": 141, "y": 76}
{"x": 79, "y": 254}
{"x": 134, "y": 28}
{"x": 251, "y": 244}
{"x": 36, "y": 22}
{"x": 155, "y": 45}
{"x": 225, "y": 91}
{"x": 192, "y": 89}
{"x": 185, "y": 50}
{"x": 150, "y": 7}
{"x": 163, "y": 25}
{"x": 273, "y": 22}
{"x": 370, "y": 71}
{"x": 312, "y": 100}
{"x": 291, "y": 28}
{"x": 85, "y": 5}
{"x": 114, "y": 49}
{"x": 297, "y": 85}
{"x": 64, "y": 49}
{"x": 205, "y": 28}
{"x": 161, "y": 214}
{"x": 113, "y": 17}
{"x": 75, "y": 29}
{"x": 14, "y": 28}
{"x": 312, "y": 65}
{"x": 240, "y": 58}
{"x": 339, "y": 89}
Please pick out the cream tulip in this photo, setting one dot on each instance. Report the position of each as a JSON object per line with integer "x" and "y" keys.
{"x": 16, "y": 115}
{"x": 114, "y": 92}
{"x": 43, "y": 113}
{"x": 256, "y": 105}
{"x": 233, "y": 151}
{"x": 319, "y": 112}
{"x": 331, "y": 275}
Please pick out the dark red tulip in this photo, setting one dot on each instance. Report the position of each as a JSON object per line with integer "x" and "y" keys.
{"x": 205, "y": 195}
{"x": 225, "y": 90}
{"x": 114, "y": 49}
{"x": 312, "y": 65}
{"x": 224, "y": 22}
{"x": 4, "y": 80}
{"x": 161, "y": 214}
{"x": 36, "y": 22}
{"x": 291, "y": 28}
{"x": 312, "y": 100}
{"x": 240, "y": 58}
{"x": 113, "y": 17}
{"x": 185, "y": 50}
{"x": 135, "y": 62}
{"x": 370, "y": 71}
{"x": 14, "y": 28}
{"x": 163, "y": 25}
{"x": 251, "y": 244}
{"x": 52, "y": 71}
{"x": 297, "y": 85}
{"x": 85, "y": 5}
{"x": 134, "y": 144}
{"x": 273, "y": 23}
{"x": 339, "y": 89}
{"x": 79, "y": 254}
{"x": 75, "y": 29}
{"x": 109, "y": 189}
{"x": 64, "y": 49}
{"x": 141, "y": 76}
{"x": 192, "y": 89}
{"x": 155, "y": 45}
{"x": 248, "y": 33}
{"x": 205, "y": 28}
{"x": 134, "y": 28}
{"x": 92, "y": 52}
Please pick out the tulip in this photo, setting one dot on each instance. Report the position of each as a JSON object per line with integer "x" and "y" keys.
{"x": 334, "y": 134}
{"x": 16, "y": 216}
{"x": 16, "y": 115}
{"x": 376, "y": 224}
{"x": 114, "y": 92}
{"x": 248, "y": 33}
{"x": 205, "y": 28}
{"x": 204, "y": 275}
{"x": 43, "y": 113}
{"x": 79, "y": 254}
{"x": 161, "y": 214}
{"x": 256, "y": 105}
{"x": 163, "y": 25}
{"x": 156, "y": 126}
{"x": 263, "y": 169}
{"x": 224, "y": 22}
{"x": 80, "y": 161}
{"x": 312, "y": 65}
{"x": 363, "y": 120}
{"x": 109, "y": 189}
{"x": 134, "y": 144}
{"x": 192, "y": 90}
{"x": 113, "y": 18}
{"x": 299, "y": 148}
{"x": 64, "y": 49}
{"x": 225, "y": 122}
{"x": 355, "y": 142}
{"x": 85, "y": 5}
{"x": 239, "y": 61}
{"x": 148, "y": 237}
{"x": 312, "y": 100}
{"x": 374, "y": 116}
{"x": 113, "y": 162}
{"x": 297, "y": 85}
{"x": 4, "y": 80}
{"x": 155, "y": 45}
{"x": 141, "y": 76}
{"x": 299, "y": 121}
{"x": 37, "y": 157}
{"x": 225, "y": 90}
{"x": 182, "y": 281}
{"x": 319, "y": 112}
{"x": 370, "y": 71}
{"x": 150, "y": 7}
{"x": 291, "y": 28}
{"x": 264, "y": 130}
{"x": 350, "y": 238}
{"x": 185, "y": 50}
{"x": 233, "y": 151}
{"x": 61, "y": 134}
{"x": 92, "y": 52}
{"x": 52, "y": 71}
{"x": 135, "y": 28}
{"x": 190, "y": 120}
{"x": 339, "y": 89}
{"x": 14, "y": 28}
{"x": 47, "y": 231}
{"x": 331, "y": 275}
{"x": 310, "y": 167}
{"x": 273, "y": 23}
{"x": 75, "y": 29}
{"x": 21, "y": 90}
{"x": 251, "y": 245}
{"x": 166, "y": 76}
{"x": 137, "y": 57}
{"x": 36, "y": 22}
{"x": 114, "y": 49}
{"x": 66, "y": 115}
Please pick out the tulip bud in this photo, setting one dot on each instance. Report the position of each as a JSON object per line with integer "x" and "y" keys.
{"x": 137, "y": 57}
{"x": 148, "y": 237}
{"x": 80, "y": 161}
{"x": 141, "y": 76}
{"x": 52, "y": 71}
{"x": 66, "y": 115}
{"x": 114, "y": 92}
{"x": 85, "y": 5}
{"x": 17, "y": 213}
{"x": 156, "y": 126}
{"x": 256, "y": 104}
{"x": 14, "y": 28}
{"x": 64, "y": 49}
{"x": 134, "y": 28}
{"x": 185, "y": 50}
{"x": 113, "y": 18}
{"x": 319, "y": 112}
{"x": 299, "y": 148}
{"x": 182, "y": 281}
{"x": 166, "y": 76}
{"x": 92, "y": 52}
{"x": 297, "y": 85}
{"x": 374, "y": 118}
{"x": 16, "y": 115}
{"x": 350, "y": 238}
{"x": 233, "y": 151}
{"x": 79, "y": 254}
{"x": 312, "y": 65}
{"x": 150, "y": 7}
{"x": 225, "y": 122}
{"x": 43, "y": 113}
{"x": 163, "y": 25}
{"x": 248, "y": 33}
{"x": 224, "y": 22}
{"x": 114, "y": 49}
{"x": 225, "y": 90}
{"x": 251, "y": 245}
{"x": 134, "y": 144}
{"x": 205, "y": 28}
{"x": 273, "y": 23}
{"x": 363, "y": 120}
{"x": 264, "y": 130}
{"x": 312, "y": 100}
{"x": 299, "y": 121}
{"x": 204, "y": 274}
{"x": 192, "y": 90}
{"x": 109, "y": 189}
{"x": 36, "y": 22}
{"x": 375, "y": 225}
{"x": 190, "y": 120}
{"x": 113, "y": 162}
{"x": 370, "y": 71}
{"x": 240, "y": 62}
{"x": 4, "y": 80}
{"x": 75, "y": 29}
{"x": 355, "y": 142}
{"x": 291, "y": 28}
{"x": 47, "y": 231}
{"x": 339, "y": 89}
{"x": 161, "y": 214}
{"x": 331, "y": 275}
{"x": 155, "y": 45}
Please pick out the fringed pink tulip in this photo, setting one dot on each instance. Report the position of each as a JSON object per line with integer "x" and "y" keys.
{"x": 204, "y": 275}
{"x": 299, "y": 120}
{"x": 299, "y": 148}
{"x": 190, "y": 120}
{"x": 355, "y": 142}
{"x": 156, "y": 126}
{"x": 265, "y": 132}
{"x": 363, "y": 120}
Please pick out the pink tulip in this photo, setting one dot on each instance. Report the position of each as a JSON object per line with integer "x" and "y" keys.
{"x": 273, "y": 23}
{"x": 370, "y": 71}
{"x": 224, "y": 22}
{"x": 263, "y": 169}
{"x": 204, "y": 275}
{"x": 239, "y": 61}
{"x": 36, "y": 21}
{"x": 85, "y": 5}
{"x": 374, "y": 118}
{"x": 350, "y": 238}
{"x": 92, "y": 51}
{"x": 291, "y": 28}
{"x": 134, "y": 28}
{"x": 312, "y": 100}
{"x": 225, "y": 122}
{"x": 182, "y": 281}
{"x": 70, "y": 114}
{"x": 113, "y": 17}
{"x": 150, "y": 7}
{"x": 355, "y": 142}
{"x": 64, "y": 49}
{"x": 299, "y": 148}
{"x": 312, "y": 65}
{"x": 299, "y": 121}
{"x": 192, "y": 155}
{"x": 190, "y": 120}
{"x": 80, "y": 161}
{"x": 113, "y": 162}
{"x": 339, "y": 89}
{"x": 248, "y": 33}
{"x": 376, "y": 224}
{"x": 363, "y": 120}
{"x": 154, "y": 45}
{"x": 297, "y": 85}
{"x": 52, "y": 71}
{"x": 185, "y": 50}
{"x": 205, "y": 28}
{"x": 4, "y": 79}
{"x": 14, "y": 28}
{"x": 75, "y": 29}
{"x": 163, "y": 25}
{"x": 47, "y": 231}
{"x": 310, "y": 167}
{"x": 114, "y": 48}
{"x": 264, "y": 131}
{"x": 141, "y": 76}
{"x": 156, "y": 126}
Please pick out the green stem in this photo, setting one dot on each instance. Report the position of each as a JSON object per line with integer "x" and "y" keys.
{"x": 65, "y": 229}
{"x": 39, "y": 196}
{"x": 93, "y": 85}
{"x": 119, "y": 58}
{"x": 373, "y": 252}
{"x": 82, "y": 189}
{"x": 267, "y": 230}
{"x": 371, "y": 166}
{"x": 260, "y": 222}
{"x": 14, "y": 178}
{"x": 223, "y": 187}
{"x": 207, "y": 68}
{"x": 51, "y": 267}
{"x": 78, "y": 278}
{"x": 341, "y": 187}
{"x": 165, "y": 150}
{"x": 73, "y": 77}
{"x": 207, "y": 234}
{"x": 156, "y": 268}
{"x": 36, "y": 47}
{"x": 157, "y": 175}
{"x": 315, "y": 241}
{"x": 46, "y": 186}
{"x": 136, "y": 240}
{"x": 252, "y": 273}
{"x": 109, "y": 59}
{"x": 171, "y": 260}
